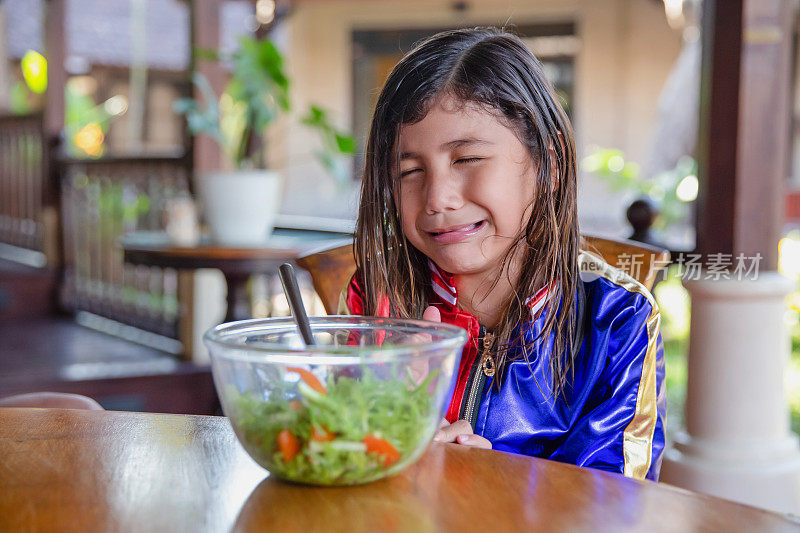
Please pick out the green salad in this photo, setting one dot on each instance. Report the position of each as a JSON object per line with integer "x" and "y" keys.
{"x": 346, "y": 431}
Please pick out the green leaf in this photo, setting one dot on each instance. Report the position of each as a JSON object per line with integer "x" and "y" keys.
{"x": 346, "y": 143}
{"x": 335, "y": 145}
{"x": 198, "y": 119}
{"x": 315, "y": 117}
{"x": 184, "y": 105}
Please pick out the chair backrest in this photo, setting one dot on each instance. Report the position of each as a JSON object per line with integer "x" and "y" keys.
{"x": 331, "y": 268}
{"x": 643, "y": 262}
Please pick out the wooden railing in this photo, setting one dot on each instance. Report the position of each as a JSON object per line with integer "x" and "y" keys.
{"x": 101, "y": 200}
{"x": 23, "y": 182}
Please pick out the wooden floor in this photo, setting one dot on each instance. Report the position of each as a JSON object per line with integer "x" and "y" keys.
{"x": 56, "y": 354}
{"x": 41, "y": 350}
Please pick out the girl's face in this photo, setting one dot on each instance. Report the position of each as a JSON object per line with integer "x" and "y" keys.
{"x": 466, "y": 186}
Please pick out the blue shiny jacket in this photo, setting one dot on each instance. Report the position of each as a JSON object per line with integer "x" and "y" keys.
{"x": 613, "y": 415}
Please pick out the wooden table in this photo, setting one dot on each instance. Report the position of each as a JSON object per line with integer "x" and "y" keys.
{"x": 237, "y": 264}
{"x": 112, "y": 471}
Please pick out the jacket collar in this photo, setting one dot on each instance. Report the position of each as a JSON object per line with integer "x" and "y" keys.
{"x": 446, "y": 294}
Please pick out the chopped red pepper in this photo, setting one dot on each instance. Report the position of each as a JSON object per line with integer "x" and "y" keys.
{"x": 382, "y": 447}
{"x": 308, "y": 378}
{"x": 321, "y": 434}
{"x": 288, "y": 445}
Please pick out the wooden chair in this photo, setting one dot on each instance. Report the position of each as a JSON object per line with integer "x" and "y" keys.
{"x": 641, "y": 261}
{"x": 331, "y": 268}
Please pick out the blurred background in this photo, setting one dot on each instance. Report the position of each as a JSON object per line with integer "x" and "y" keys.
{"x": 110, "y": 108}
{"x": 125, "y": 63}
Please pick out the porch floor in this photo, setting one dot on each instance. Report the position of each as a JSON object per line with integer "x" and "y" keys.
{"x": 56, "y": 354}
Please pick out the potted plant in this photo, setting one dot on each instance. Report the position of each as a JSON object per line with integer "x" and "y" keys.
{"x": 241, "y": 204}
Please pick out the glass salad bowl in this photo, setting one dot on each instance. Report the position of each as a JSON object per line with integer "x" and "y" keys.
{"x": 360, "y": 405}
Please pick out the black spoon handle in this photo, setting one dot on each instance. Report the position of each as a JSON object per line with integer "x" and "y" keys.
{"x": 292, "y": 291}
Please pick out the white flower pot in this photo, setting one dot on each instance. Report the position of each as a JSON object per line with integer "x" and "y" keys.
{"x": 241, "y": 205}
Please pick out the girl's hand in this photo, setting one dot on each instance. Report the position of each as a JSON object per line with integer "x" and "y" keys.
{"x": 431, "y": 314}
{"x": 460, "y": 432}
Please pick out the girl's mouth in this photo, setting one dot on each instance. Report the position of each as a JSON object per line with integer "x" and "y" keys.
{"x": 457, "y": 233}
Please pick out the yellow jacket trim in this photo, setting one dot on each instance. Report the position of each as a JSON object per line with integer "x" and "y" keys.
{"x": 637, "y": 444}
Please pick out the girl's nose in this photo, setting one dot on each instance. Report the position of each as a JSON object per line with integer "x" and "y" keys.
{"x": 443, "y": 191}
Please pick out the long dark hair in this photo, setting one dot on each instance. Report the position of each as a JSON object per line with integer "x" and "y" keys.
{"x": 494, "y": 69}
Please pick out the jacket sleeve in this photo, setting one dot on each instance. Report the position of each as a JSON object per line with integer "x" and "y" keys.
{"x": 621, "y": 426}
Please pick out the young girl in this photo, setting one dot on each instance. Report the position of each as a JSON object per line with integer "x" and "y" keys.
{"x": 468, "y": 216}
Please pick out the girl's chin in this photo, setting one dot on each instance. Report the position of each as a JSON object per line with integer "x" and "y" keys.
{"x": 460, "y": 265}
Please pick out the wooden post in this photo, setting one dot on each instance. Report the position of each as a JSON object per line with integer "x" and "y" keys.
{"x": 199, "y": 293}
{"x": 737, "y": 443}
{"x": 765, "y": 116}
{"x": 745, "y": 113}
{"x": 55, "y": 51}
{"x": 53, "y": 122}
{"x": 205, "y": 21}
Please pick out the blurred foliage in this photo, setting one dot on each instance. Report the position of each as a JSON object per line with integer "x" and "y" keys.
{"x": 23, "y": 100}
{"x": 789, "y": 265}
{"x": 257, "y": 94}
{"x": 202, "y": 120}
{"x": 34, "y": 71}
{"x": 674, "y": 304}
{"x": 334, "y": 143}
{"x": 86, "y": 124}
{"x": 621, "y": 175}
{"x": 27, "y": 94}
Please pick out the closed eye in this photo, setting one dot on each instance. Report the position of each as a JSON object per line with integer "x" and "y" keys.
{"x": 405, "y": 173}
{"x": 468, "y": 159}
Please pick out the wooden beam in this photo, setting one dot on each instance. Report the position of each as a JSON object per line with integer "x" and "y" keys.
{"x": 53, "y": 122}
{"x": 717, "y": 128}
{"x": 765, "y": 116}
{"x": 745, "y": 114}
{"x": 55, "y": 45}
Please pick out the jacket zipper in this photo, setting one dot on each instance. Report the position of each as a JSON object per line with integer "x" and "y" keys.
{"x": 483, "y": 367}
